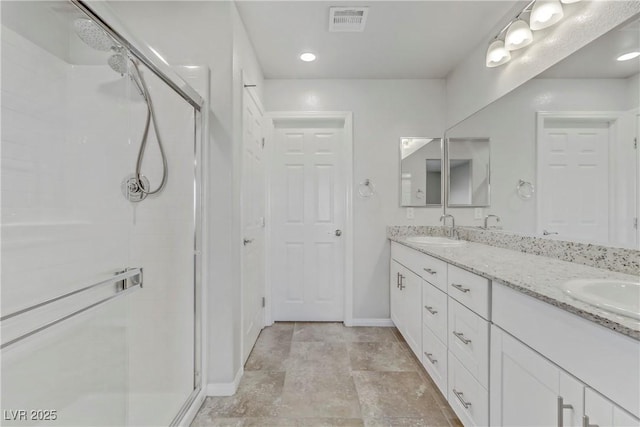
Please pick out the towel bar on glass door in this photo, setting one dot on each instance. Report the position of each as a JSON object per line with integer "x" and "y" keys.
{"x": 125, "y": 281}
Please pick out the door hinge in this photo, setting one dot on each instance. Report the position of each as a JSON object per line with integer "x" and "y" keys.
{"x": 635, "y": 143}
{"x": 264, "y": 301}
{"x": 263, "y": 142}
{"x": 635, "y": 223}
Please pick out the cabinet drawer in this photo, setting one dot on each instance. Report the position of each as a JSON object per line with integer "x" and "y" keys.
{"x": 469, "y": 340}
{"x": 469, "y": 289}
{"x": 434, "y": 359}
{"x": 429, "y": 268}
{"x": 434, "y": 310}
{"x": 467, "y": 397}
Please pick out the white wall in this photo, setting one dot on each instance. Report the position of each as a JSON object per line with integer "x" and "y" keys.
{"x": 510, "y": 123}
{"x": 383, "y": 112}
{"x": 471, "y": 85}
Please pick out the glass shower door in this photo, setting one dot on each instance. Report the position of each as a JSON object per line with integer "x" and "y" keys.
{"x": 87, "y": 339}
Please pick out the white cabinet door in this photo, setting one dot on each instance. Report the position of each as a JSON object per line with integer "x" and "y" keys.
{"x": 411, "y": 297}
{"x": 394, "y": 294}
{"x": 526, "y": 389}
{"x": 599, "y": 411}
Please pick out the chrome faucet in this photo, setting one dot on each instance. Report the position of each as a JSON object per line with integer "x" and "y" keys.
{"x": 486, "y": 220}
{"x": 443, "y": 219}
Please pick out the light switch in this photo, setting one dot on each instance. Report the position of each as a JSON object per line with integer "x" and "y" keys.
{"x": 410, "y": 213}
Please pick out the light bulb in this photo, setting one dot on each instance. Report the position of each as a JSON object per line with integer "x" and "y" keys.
{"x": 628, "y": 56}
{"x": 308, "y": 57}
{"x": 518, "y": 35}
{"x": 545, "y": 13}
{"x": 497, "y": 54}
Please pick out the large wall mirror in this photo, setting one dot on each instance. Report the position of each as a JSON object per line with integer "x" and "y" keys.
{"x": 469, "y": 172}
{"x": 564, "y": 163}
{"x": 421, "y": 172}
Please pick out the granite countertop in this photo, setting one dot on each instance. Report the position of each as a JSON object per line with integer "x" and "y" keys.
{"x": 533, "y": 275}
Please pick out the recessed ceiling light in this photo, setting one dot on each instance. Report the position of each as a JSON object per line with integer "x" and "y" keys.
{"x": 628, "y": 56}
{"x": 308, "y": 57}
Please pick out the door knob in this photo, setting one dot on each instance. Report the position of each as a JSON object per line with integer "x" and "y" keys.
{"x": 247, "y": 241}
{"x": 338, "y": 233}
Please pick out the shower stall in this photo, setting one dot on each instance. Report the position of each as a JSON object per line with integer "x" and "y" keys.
{"x": 100, "y": 223}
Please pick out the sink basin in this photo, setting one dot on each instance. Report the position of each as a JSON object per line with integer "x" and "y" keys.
{"x": 437, "y": 241}
{"x": 616, "y": 296}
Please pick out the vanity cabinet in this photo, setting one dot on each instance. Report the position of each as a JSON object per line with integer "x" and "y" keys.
{"x": 503, "y": 358}
{"x": 405, "y": 297}
{"x": 527, "y": 389}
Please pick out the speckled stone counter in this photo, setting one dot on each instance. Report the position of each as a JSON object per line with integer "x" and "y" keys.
{"x": 533, "y": 275}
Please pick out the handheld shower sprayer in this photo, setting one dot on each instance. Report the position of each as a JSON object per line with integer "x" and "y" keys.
{"x": 135, "y": 187}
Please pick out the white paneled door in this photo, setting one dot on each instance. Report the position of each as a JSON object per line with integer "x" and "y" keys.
{"x": 253, "y": 222}
{"x": 308, "y": 215}
{"x": 573, "y": 177}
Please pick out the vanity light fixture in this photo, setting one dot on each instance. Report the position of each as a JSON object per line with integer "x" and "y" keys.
{"x": 308, "y": 57}
{"x": 518, "y": 35}
{"x": 545, "y": 13}
{"x": 497, "y": 54}
{"x": 628, "y": 56}
{"x": 542, "y": 14}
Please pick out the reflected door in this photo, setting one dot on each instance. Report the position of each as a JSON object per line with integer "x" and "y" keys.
{"x": 308, "y": 202}
{"x": 573, "y": 173}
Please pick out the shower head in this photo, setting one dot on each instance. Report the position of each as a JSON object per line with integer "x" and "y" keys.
{"x": 119, "y": 63}
{"x": 94, "y": 36}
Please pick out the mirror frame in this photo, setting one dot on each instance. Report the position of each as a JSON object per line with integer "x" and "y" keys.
{"x": 442, "y": 175}
{"x": 448, "y": 173}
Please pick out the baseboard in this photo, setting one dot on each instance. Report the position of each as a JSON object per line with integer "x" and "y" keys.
{"x": 384, "y": 323}
{"x": 225, "y": 389}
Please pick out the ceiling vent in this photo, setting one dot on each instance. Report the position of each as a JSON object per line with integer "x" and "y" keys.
{"x": 347, "y": 19}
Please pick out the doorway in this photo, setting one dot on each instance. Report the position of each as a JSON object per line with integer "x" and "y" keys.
{"x": 310, "y": 235}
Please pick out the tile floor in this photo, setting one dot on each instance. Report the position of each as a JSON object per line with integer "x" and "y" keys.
{"x": 324, "y": 374}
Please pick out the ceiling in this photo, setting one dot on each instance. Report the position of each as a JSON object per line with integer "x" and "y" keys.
{"x": 402, "y": 39}
{"x": 597, "y": 60}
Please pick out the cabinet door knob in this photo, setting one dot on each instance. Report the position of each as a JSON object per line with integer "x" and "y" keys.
{"x": 430, "y": 309}
{"x": 431, "y": 359}
{"x": 561, "y": 407}
{"x": 461, "y": 337}
{"x": 585, "y": 422}
{"x": 460, "y": 288}
{"x": 460, "y": 397}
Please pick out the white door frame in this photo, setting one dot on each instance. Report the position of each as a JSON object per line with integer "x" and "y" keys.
{"x": 250, "y": 92}
{"x": 269, "y": 119}
{"x": 603, "y": 116}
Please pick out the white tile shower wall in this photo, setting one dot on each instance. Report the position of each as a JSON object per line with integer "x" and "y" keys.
{"x": 383, "y": 112}
{"x": 73, "y": 135}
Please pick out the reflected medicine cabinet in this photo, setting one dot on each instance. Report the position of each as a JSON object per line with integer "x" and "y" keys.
{"x": 421, "y": 174}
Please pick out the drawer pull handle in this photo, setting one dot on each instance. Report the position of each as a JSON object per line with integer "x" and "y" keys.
{"x": 430, "y": 271}
{"x": 461, "y": 337}
{"x": 397, "y": 280}
{"x": 459, "y": 395}
{"x": 432, "y": 360}
{"x": 561, "y": 407}
{"x": 430, "y": 309}
{"x": 402, "y": 286}
{"x": 460, "y": 288}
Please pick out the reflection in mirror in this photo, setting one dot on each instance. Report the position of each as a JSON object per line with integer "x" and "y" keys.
{"x": 469, "y": 171}
{"x": 420, "y": 172}
{"x": 564, "y": 161}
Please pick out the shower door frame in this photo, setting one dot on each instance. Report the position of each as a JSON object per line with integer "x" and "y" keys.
{"x": 103, "y": 16}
